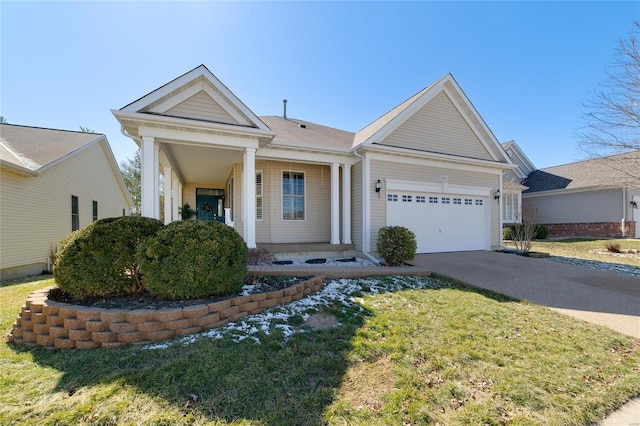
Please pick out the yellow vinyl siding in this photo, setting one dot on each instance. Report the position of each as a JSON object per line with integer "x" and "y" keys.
{"x": 438, "y": 127}
{"x": 390, "y": 170}
{"x": 202, "y": 107}
{"x": 36, "y": 211}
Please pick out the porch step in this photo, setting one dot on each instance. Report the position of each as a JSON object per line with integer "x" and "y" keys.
{"x": 304, "y": 251}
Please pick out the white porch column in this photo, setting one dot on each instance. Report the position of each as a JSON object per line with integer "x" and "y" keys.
{"x": 335, "y": 203}
{"x": 346, "y": 204}
{"x": 249, "y": 197}
{"x": 167, "y": 172}
{"x": 175, "y": 186}
{"x": 150, "y": 202}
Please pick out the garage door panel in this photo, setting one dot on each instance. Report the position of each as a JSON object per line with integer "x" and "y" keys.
{"x": 441, "y": 222}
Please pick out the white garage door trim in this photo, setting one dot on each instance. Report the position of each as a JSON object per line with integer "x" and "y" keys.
{"x": 444, "y": 217}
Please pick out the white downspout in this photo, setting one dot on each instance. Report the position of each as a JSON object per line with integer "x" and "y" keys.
{"x": 624, "y": 211}
{"x": 364, "y": 210}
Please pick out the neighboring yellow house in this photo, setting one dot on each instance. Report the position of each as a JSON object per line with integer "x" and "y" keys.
{"x": 52, "y": 183}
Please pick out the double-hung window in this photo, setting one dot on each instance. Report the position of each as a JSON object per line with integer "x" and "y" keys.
{"x": 293, "y": 196}
{"x": 75, "y": 214}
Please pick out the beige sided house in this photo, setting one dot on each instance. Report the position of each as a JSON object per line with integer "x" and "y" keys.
{"x": 52, "y": 183}
{"x": 430, "y": 164}
{"x": 595, "y": 198}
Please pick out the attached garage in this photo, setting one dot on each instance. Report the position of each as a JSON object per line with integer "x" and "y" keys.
{"x": 443, "y": 218}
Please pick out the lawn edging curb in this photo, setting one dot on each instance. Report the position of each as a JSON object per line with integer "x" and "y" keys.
{"x": 58, "y": 325}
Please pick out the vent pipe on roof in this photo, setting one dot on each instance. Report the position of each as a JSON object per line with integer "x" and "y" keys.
{"x": 284, "y": 101}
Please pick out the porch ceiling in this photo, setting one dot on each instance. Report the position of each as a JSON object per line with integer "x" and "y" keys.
{"x": 198, "y": 164}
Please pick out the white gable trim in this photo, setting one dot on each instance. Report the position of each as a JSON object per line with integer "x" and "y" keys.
{"x": 194, "y": 90}
{"x": 185, "y": 79}
{"x": 515, "y": 149}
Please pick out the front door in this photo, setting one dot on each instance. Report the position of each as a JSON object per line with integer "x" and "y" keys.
{"x": 210, "y": 204}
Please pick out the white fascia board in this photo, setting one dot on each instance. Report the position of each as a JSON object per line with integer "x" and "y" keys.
{"x": 433, "y": 187}
{"x": 17, "y": 170}
{"x": 305, "y": 156}
{"x": 570, "y": 191}
{"x": 401, "y": 155}
{"x": 141, "y": 119}
{"x": 522, "y": 156}
{"x": 187, "y": 137}
{"x": 111, "y": 159}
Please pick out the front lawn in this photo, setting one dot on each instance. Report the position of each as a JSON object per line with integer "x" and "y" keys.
{"x": 405, "y": 351}
{"x": 580, "y": 248}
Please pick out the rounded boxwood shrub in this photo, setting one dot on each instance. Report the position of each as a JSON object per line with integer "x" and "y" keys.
{"x": 396, "y": 244}
{"x": 100, "y": 259}
{"x": 193, "y": 259}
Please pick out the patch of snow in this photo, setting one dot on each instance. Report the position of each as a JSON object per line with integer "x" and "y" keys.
{"x": 347, "y": 293}
{"x": 602, "y": 266}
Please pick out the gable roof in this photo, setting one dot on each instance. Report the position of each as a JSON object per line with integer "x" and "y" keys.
{"x": 199, "y": 82}
{"x": 34, "y": 148}
{"x": 375, "y": 132}
{"x": 616, "y": 171}
{"x": 292, "y": 132}
{"x": 519, "y": 158}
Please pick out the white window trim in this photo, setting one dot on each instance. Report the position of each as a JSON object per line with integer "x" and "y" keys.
{"x": 517, "y": 212}
{"x": 304, "y": 197}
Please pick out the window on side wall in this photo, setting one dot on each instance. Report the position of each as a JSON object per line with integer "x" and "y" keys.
{"x": 75, "y": 214}
{"x": 293, "y": 203}
{"x": 259, "y": 208}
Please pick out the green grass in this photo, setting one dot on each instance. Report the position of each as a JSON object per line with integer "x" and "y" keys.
{"x": 580, "y": 248}
{"x": 437, "y": 354}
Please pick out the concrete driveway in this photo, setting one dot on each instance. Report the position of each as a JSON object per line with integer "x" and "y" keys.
{"x": 600, "y": 297}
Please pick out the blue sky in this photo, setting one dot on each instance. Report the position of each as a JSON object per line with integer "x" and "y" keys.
{"x": 526, "y": 66}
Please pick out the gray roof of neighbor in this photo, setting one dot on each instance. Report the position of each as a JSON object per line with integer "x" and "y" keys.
{"x": 616, "y": 171}
{"x": 33, "y": 148}
{"x": 305, "y": 134}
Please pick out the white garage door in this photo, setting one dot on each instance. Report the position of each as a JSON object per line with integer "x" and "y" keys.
{"x": 441, "y": 222}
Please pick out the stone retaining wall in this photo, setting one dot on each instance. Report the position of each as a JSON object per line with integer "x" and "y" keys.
{"x": 58, "y": 325}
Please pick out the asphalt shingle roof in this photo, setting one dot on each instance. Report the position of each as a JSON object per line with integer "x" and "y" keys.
{"x": 33, "y": 148}
{"x": 616, "y": 171}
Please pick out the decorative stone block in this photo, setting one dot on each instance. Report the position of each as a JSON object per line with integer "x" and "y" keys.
{"x": 77, "y": 335}
{"x": 63, "y": 343}
{"x": 150, "y": 326}
{"x": 87, "y": 344}
{"x": 206, "y": 319}
{"x": 26, "y": 325}
{"x": 259, "y": 297}
{"x": 276, "y": 294}
{"x": 160, "y": 335}
{"x": 50, "y": 307}
{"x": 246, "y": 307}
{"x": 67, "y": 311}
{"x": 131, "y": 337}
{"x": 189, "y": 330}
{"x": 38, "y": 317}
{"x": 140, "y": 315}
{"x": 194, "y": 311}
{"x": 284, "y": 300}
{"x": 36, "y": 306}
{"x": 236, "y": 317}
{"x": 268, "y": 303}
{"x": 232, "y": 310}
{"x": 104, "y": 336}
{"x": 290, "y": 291}
{"x": 219, "y": 306}
{"x": 240, "y": 300}
{"x": 73, "y": 324}
{"x": 41, "y": 328}
{"x": 58, "y": 331}
{"x": 54, "y": 320}
{"x": 45, "y": 340}
{"x": 86, "y": 314}
{"x": 113, "y": 315}
{"x": 297, "y": 296}
{"x": 178, "y": 324}
{"x": 113, "y": 345}
{"x": 122, "y": 327}
{"x": 167, "y": 314}
{"x": 25, "y": 314}
{"x": 96, "y": 325}
{"x": 28, "y": 336}
{"x": 16, "y": 331}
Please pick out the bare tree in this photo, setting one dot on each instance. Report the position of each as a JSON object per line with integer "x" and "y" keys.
{"x": 84, "y": 129}
{"x": 522, "y": 234}
{"x": 612, "y": 120}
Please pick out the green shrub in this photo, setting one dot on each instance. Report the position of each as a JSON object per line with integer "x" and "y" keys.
{"x": 507, "y": 233}
{"x": 100, "y": 259}
{"x": 396, "y": 244}
{"x": 542, "y": 232}
{"x": 193, "y": 259}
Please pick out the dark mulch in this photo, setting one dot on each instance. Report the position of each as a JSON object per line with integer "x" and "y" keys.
{"x": 147, "y": 301}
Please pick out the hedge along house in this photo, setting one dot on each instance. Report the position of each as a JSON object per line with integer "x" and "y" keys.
{"x": 52, "y": 182}
{"x": 430, "y": 164}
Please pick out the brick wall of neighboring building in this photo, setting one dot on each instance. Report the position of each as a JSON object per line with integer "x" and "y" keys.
{"x": 591, "y": 229}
